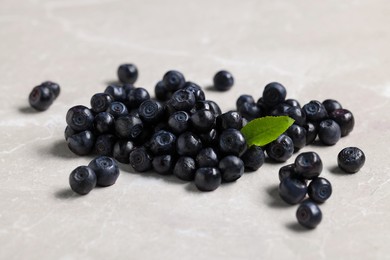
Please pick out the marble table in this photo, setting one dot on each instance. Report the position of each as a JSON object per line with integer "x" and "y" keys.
{"x": 317, "y": 49}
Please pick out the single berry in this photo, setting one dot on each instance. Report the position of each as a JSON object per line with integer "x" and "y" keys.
{"x": 287, "y": 171}
{"x": 185, "y": 168}
{"x": 106, "y": 169}
{"x": 188, "y": 144}
{"x": 136, "y": 96}
{"x": 329, "y": 132}
{"x": 81, "y": 143}
{"x": 128, "y": 127}
{"x": 208, "y": 105}
{"x": 231, "y": 119}
{"x": 319, "y": 190}
{"x": 292, "y": 102}
{"x": 183, "y": 100}
{"x": 162, "y": 142}
{"x": 253, "y": 158}
{"x": 100, "y": 102}
{"x": 223, "y": 80}
{"x": 161, "y": 91}
{"x": 151, "y": 111}
{"x": 104, "y": 123}
{"x": 202, "y": 121}
{"x": 311, "y": 132}
{"x": 82, "y": 180}
{"x": 281, "y": 149}
{"x": 194, "y": 89}
{"x": 231, "y": 167}
{"x": 209, "y": 138}
{"x": 351, "y": 159}
{"x": 117, "y": 92}
{"x": 292, "y": 190}
{"x": 179, "y": 122}
{"x": 243, "y": 99}
{"x": 249, "y": 111}
{"x": 232, "y": 142}
{"x": 117, "y": 109}
{"x": 308, "y": 165}
{"x": 331, "y": 105}
{"x": 54, "y": 87}
{"x": 127, "y": 73}
{"x": 206, "y": 157}
{"x": 174, "y": 80}
{"x": 79, "y": 118}
{"x": 140, "y": 159}
{"x": 122, "y": 150}
{"x": 298, "y": 136}
{"x": 309, "y": 214}
{"x": 41, "y": 97}
{"x": 344, "y": 118}
{"x": 104, "y": 144}
{"x": 315, "y": 111}
{"x": 274, "y": 93}
{"x": 163, "y": 164}
{"x": 207, "y": 179}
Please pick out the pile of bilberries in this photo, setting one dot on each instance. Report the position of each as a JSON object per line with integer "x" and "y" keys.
{"x": 179, "y": 131}
{"x": 327, "y": 120}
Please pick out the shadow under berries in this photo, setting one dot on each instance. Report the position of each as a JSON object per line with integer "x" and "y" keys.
{"x": 275, "y": 200}
{"x": 60, "y": 148}
{"x": 296, "y": 227}
{"x": 27, "y": 110}
{"x": 65, "y": 193}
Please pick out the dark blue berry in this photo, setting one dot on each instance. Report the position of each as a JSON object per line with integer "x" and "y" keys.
{"x": 329, "y": 132}
{"x": 298, "y": 136}
{"x": 185, "y": 168}
{"x": 161, "y": 91}
{"x": 209, "y": 138}
{"x": 281, "y": 149}
{"x": 208, "y": 178}
{"x": 104, "y": 123}
{"x": 287, "y": 171}
{"x": 128, "y": 88}
{"x": 140, "y": 159}
{"x": 104, "y": 144}
{"x": 243, "y": 99}
{"x": 309, "y": 214}
{"x": 100, "y": 102}
{"x": 54, "y": 87}
{"x": 162, "y": 142}
{"x": 292, "y": 190}
{"x": 163, "y": 164}
{"x": 183, "y": 100}
{"x": 274, "y": 93}
{"x": 179, "y": 122}
{"x": 351, "y": 159}
{"x": 117, "y": 109}
{"x": 315, "y": 111}
{"x": 344, "y": 118}
{"x": 127, "y": 73}
{"x": 292, "y": 102}
{"x": 136, "y": 96}
{"x": 331, "y": 105}
{"x": 308, "y": 165}
{"x": 202, "y": 121}
{"x": 231, "y": 167}
{"x": 79, "y": 118}
{"x": 223, "y": 80}
{"x": 117, "y": 92}
{"x": 249, "y": 111}
{"x": 121, "y": 151}
{"x": 284, "y": 109}
{"x": 151, "y": 111}
{"x": 207, "y": 157}
{"x": 188, "y": 144}
{"x": 106, "y": 170}
{"x": 174, "y": 80}
{"x": 68, "y": 132}
{"x": 128, "y": 127}
{"x": 311, "y": 132}
{"x": 82, "y": 180}
{"x": 194, "y": 89}
{"x": 253, "y": 158}
{"x": 319, "y": 190}
{"x": 41, "y": 97}
{"x": 232, "y": 142}
{"x": 231, "y": 119}
{"x": 81, "y": 143}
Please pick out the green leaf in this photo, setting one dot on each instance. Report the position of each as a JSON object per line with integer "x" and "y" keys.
{"x": 264, "y": 130}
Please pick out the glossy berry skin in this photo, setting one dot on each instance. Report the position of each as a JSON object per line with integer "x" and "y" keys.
{"x": 79, "y": 118}
{"x": 287, "y": 171}
{"x": 331, "y": 105}
{"x": 207, "y": 179}
{"x": 188, "y": 144}
{"x": 308, "y": 165}
{"x": 104, "y": 123}
{"x": 69, "y": 132}
{"x": 174, "y": 80}
{"x": 209, "y": 138}
{"x": 274, "y": 93}
{"x": 151, "y": 111}
{"x": 100, "y": 102}
{"x": 117, "y": 92}
{"x": 344, "y": 118}
{"x": 315, "y": 111}
{"x": 81, "y": 143}
{"x": 194, "y": 89}
{"x": 161, "y": 91}
{"x": 82, "y": 180}
{"x": 351, "y": 159}
{"x": 140, "y": 159}
{"x": 319, "y": 190}
{"x": 206, "y": 157}
{"x": 129, "y": 127}
{"x": 243, "y": 99}
{"x": 223, "y": 80}
{"x": 202, "y": 121}
{"x": 163, "y": 164}
{"x": 117, "y": 109}
{"x": 329, "y": 132}
{"x": 54, "y": 87}
{"x": 135, "y": 97}
{"x": 232, "y": 142}
{"x": 249, "y": 111}
{"x": 231, "y": 119}
{"x": 298, "y": 136}
{"x": 209, "y": 105}
{"x": 253, "y": 158}
{"x": 122, "y": 150}
{"x": 183, "y": 100}
{"x": 231, "y": 167}
{"x": 311, "y": 132}
{"x": 292, "y": 102}
{"x": 179, "y": 122}
{"x": 292, "y": 190}
{"x": 309, "y": 214}
{"x": 104, "y": 144}
{"x": 185, "y": 168}
{"x": 281, "y": 149}
{"x": 41, "y": 98}
{"x": 162, "y": 142}
{"x": 127, "y": 73}
{"x": 106, "y": 170}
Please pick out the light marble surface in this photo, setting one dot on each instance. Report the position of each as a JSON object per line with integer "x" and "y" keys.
{"x": 317, "y": 49}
